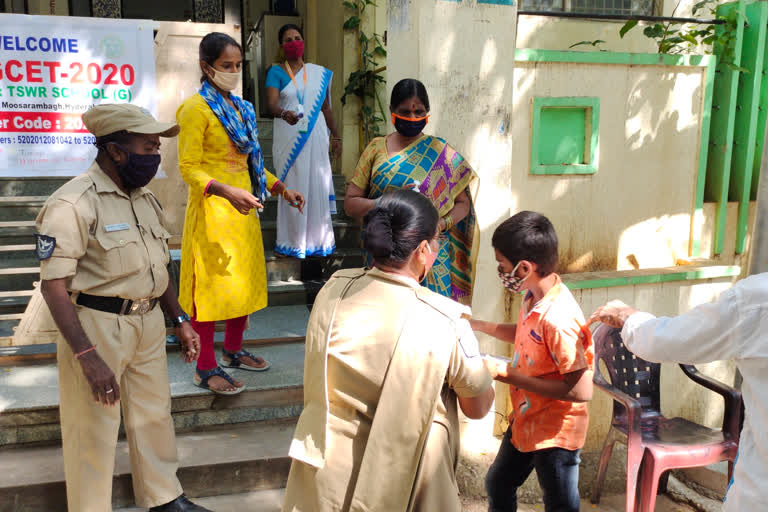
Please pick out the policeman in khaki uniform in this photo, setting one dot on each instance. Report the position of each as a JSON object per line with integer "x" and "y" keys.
{"x": 103, "y": 263}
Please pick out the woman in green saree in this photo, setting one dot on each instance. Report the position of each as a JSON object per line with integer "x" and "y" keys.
{"x": 408, "y": 158}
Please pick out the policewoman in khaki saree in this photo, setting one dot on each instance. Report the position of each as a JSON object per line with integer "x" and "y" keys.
{"x": 388, "y": 363}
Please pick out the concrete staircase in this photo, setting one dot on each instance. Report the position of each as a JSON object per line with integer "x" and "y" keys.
{"x": 20, "y": 201}
{"x": 227, "y": 445}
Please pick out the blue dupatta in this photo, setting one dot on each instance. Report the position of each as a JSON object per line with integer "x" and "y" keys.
{"x": 244, "y": 133}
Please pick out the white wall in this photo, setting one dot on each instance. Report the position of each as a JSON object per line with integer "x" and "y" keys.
{"x": 636, "y": 210}
{"x": 545, "y": 33}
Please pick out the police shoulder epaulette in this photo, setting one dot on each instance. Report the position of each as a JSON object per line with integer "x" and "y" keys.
{"x": 155, "y": 200}
{"x": 446, "y": 306}
{"x": 72, "y": 190}
{"x": 349, "y": 273}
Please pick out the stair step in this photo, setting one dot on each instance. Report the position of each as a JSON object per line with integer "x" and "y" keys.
{"x": 17, "y": 232}
{"x": 19, "y": 278}
{"x": 45, "y": 186}
{"x": 252, "y": 458}
{"x": 16, "y": 279}
{"x": 20, "y": 207}
{"x": 270, "y": 500}
{"x": 14, "y": 304}
{"x": 290, "y": 269}
{"x": 14, "y": 301}
{"x": 31, "y": 186}
{"x": 19, "y": 258}
{"x": 25, "y": 270}
{"x": 17, "y": 224}
{"x": 346, "y": 232}
{"x": 6, "y": 330}
{"x": 15, "y": 200}
{"x": 23, "y": 256}
{"x": 283, "y": 289}
{"x": 271, "y": 325}
{"x": 42, "y": 187}
{"x": 339, "y": 185}
{"x": 14, "y": 248}
{"x": 29, "y": 409}
{"x": 15, "y": 294}
{"x": 285, "y": 293}
{"x": 283, "y": 273}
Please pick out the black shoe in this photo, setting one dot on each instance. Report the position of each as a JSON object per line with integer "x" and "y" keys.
{"x": 180, "y": 504}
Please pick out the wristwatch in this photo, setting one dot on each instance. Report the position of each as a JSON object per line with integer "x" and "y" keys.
{"x": 180, "y": 319}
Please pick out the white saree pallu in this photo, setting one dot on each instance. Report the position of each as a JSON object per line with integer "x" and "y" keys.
{"x": 302, "y": 162}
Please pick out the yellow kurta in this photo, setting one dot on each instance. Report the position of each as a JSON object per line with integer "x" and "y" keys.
{"x": 223, "y": 273}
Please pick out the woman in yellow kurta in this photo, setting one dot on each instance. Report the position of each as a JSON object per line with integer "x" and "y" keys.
{"x": 223, "y": 275}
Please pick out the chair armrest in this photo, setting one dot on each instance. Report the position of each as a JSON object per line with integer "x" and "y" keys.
{"x": 630, "y": 404}
{"x": 731, "y": 396}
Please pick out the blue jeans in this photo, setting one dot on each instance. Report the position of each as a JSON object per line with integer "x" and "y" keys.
{"x": 556, "y": 468}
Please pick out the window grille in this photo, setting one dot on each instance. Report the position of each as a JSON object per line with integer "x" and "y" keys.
{"x": 617, "y": 7}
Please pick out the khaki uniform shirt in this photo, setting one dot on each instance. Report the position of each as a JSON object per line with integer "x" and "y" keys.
{"x": 383, "y": 368}
{"x": 107, "y": 243}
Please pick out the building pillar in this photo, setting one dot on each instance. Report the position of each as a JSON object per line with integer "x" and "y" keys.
{"x": 463, "y": 52}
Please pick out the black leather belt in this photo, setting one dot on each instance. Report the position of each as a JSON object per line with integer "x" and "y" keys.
{"x": 116, "y": 305}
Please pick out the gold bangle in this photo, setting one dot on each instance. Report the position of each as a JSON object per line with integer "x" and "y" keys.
{"x": 448, "y": 222}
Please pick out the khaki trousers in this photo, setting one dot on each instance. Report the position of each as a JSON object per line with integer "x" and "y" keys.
{"x": 134, "y": 348}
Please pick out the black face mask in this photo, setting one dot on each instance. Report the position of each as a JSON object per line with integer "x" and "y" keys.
{"x": 407, "y": 127}
{"x": 139, "y": 170}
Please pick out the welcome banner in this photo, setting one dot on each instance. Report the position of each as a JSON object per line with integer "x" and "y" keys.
{"x": 52, "y": 69}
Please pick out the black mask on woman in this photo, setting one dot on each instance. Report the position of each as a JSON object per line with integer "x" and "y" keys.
{"x": 409, "y": 127}
{"x": 139, "y": 170}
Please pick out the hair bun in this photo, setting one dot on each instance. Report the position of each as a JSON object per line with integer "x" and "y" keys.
{"x": 379, "y": 241}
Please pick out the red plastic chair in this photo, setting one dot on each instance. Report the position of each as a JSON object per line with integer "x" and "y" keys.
{"x": 655, "y": 444}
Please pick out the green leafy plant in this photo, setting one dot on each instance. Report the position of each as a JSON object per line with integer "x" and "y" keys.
{"x": 365, "y": 83}
{"x": 676, "y": 38}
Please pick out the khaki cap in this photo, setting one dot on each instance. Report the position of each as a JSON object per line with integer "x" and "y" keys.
{"x": 104, "y": 119}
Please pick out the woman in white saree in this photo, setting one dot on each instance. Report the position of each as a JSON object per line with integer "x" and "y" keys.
{"x": 298, "y": 96}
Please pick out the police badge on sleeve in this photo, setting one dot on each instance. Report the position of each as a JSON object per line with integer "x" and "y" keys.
{"x": 44, "y": 246}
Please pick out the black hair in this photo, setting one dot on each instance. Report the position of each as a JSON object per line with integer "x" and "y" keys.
{"x": 213, "y": 45}
{"x": 286, "y": 28}
{"x": 399, "y": 222}
{"x": 528, "y": 236}
{"x": 406, "y": 89}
